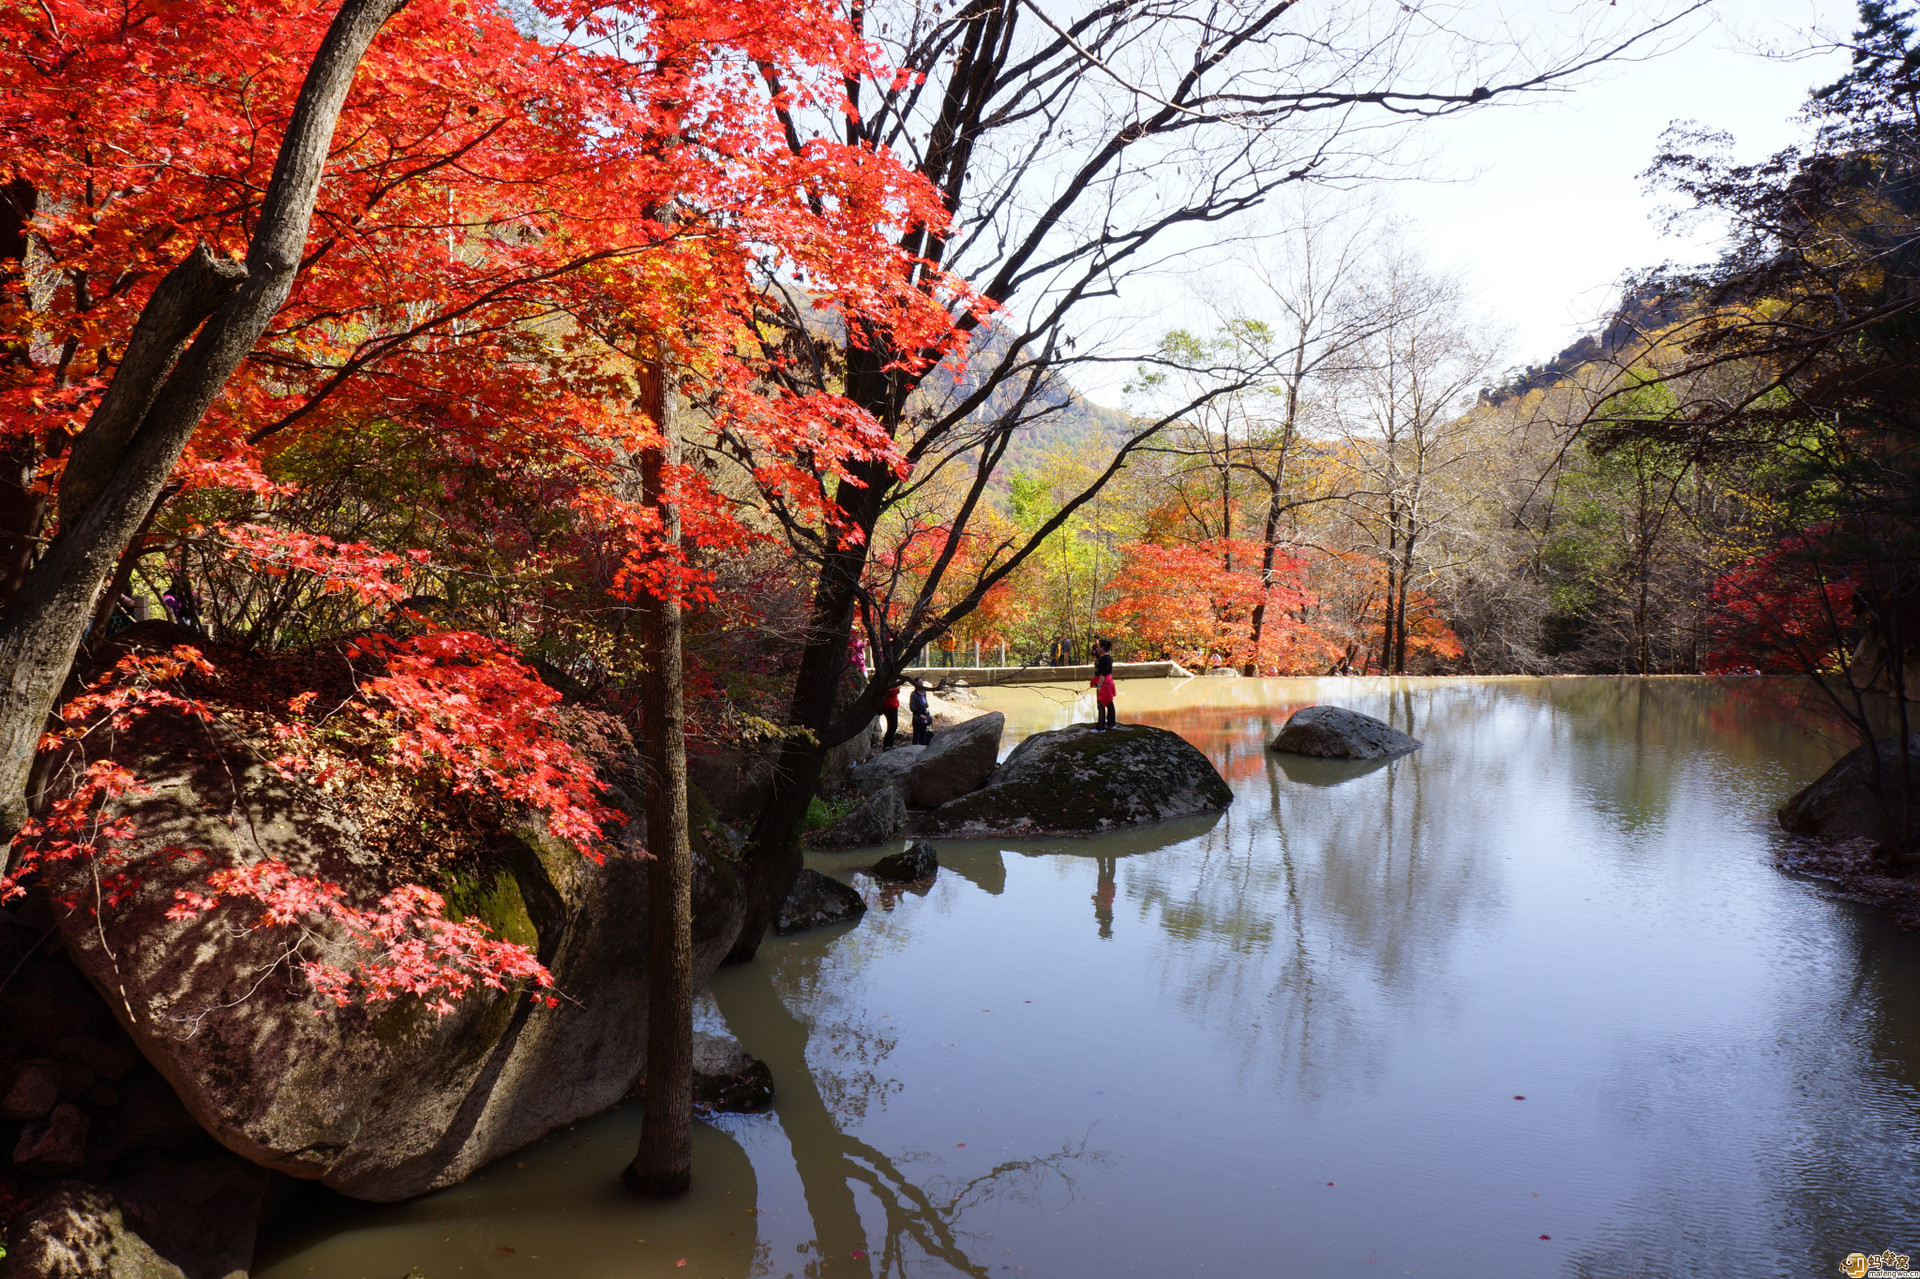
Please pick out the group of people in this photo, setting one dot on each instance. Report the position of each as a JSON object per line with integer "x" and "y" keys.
{"x": 920, "y": 711}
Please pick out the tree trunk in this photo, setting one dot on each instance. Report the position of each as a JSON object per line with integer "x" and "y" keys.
{"x": 154, "y": 403}
{"x": 773, "y": 855}
{"x": 663, "y": 1165}
{"x": 1269, "y": 548}
{"x": 1400, "y": 610}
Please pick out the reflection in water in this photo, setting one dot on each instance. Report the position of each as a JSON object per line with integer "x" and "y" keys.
{"x": 920, "y": 1222}
{"x": 1531, "y": 1001}
{"x": 1103, "y": 897}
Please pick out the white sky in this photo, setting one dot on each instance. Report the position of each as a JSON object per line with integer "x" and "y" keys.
{"x": 1550, "y": 212}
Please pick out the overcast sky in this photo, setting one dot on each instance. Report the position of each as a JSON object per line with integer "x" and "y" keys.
{"x": 1551, "y": 212}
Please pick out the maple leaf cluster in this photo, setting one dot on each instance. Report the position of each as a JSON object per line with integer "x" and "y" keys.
{"x": 405, "y": 945}
{"x": 1791, "y": 607}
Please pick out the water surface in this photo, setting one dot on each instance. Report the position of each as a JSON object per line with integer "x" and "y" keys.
{"x": 1533, "y": 1001}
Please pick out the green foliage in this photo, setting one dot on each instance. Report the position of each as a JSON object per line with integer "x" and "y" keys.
{"x": 825, "y": 812}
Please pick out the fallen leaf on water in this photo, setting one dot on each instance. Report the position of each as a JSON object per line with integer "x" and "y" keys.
{"x": 959, "y": 1143}
{"x": 503, "y": 1252}
{"x": 681, "y": 1262}
{"x": 856, "y": 1255}
{"x": 1329, "y": 1183}
{"x": 1518, "y": 1097}
{"x": 1546, "y": 1236}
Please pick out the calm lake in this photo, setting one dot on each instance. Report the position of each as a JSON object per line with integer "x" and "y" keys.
{"x": 1533, "y": 1001}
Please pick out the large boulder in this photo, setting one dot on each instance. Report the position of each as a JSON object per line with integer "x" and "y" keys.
{"x": 1080, "y": 781}
{"x": 735, "y": 779}
{"x": 382, "y": 1101}
{"x": 886, "y": 771}
{"x": 817, "y": 901}
{"x": 880, "y": 817}
{"x": 957, "y": 763}
{"x": 1841, "y": 802}
{"x": 1334, "y": 732}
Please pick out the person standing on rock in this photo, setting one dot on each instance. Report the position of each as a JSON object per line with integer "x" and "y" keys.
{"x": 1102, "y": 683}
{"x": 890, "y": 712}
{"x": 922, "y": 715}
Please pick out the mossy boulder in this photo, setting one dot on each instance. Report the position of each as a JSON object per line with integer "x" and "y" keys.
{"x": 1082, "y": 780}
{"x": 382, "y": 1101}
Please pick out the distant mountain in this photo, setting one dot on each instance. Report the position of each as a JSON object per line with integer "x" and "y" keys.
{"x": 1639, "y": 313}
{"x": 1058, "y": 418}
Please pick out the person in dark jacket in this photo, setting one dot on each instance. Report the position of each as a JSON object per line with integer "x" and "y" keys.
{"x": 922, "y": 715}
{"x": 1103, "y": 685}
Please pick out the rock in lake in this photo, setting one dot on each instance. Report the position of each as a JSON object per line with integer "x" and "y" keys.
{"x": 1840, "y": 803}
{"x": 1333, "y": 732}
{"x": 815, "y": 901}
{"x": 382, "y": 1101}
{"x": 915, "y": 865}
{"x": 957, "y": 763}
{"x": 727, "y": 1079}
{"x": 1080, "y": 781}
{"x": 880, "y": 817}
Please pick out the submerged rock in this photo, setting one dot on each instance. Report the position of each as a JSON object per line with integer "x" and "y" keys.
{"x": 957, "y": 763}
{"x": 727, "y": 1079}
{"x": 879, "y": 818}
{"x": 386, "y": 1101}
{"x": 1334, "y": 732}
{"x": 914, "y": 865}
{"x": 1841, "y": 803}
{"x": 1080, "y": 781}
{"x": 816, "y": 901}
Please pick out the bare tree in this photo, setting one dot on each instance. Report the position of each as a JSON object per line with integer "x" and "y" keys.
{"x": 1077, "y": 154}
{"x": 1298, "y": 330}
{"x": 1404, "y": 412}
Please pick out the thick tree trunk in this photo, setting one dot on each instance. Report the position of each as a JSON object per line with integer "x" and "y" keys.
{"x": 157, "y": 398}
{"x": 663, "y": 1165}
{"x": 773, "y": 855}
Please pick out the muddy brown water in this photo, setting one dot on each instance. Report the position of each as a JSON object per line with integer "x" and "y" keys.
{"x": 1533, "y": 1001}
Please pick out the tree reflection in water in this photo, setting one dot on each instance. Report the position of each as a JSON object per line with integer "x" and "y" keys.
{"x": 922, "y": 1219}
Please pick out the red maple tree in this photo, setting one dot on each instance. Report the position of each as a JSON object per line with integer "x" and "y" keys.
{"x": 509, "y": 231}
